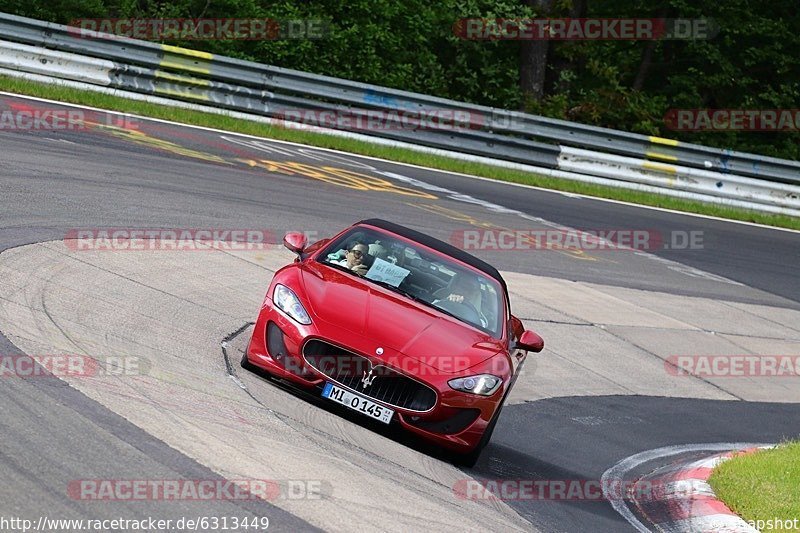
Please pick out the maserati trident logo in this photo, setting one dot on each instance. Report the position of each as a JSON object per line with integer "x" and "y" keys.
{"x": 368, "y": 378}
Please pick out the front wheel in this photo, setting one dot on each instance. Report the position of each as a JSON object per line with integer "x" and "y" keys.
{"x": 470, "y": 458}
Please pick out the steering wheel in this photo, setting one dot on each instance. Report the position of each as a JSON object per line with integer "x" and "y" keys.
{"x": 464, "y": 310}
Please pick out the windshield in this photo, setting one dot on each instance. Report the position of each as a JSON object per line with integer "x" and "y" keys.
{"x": 418, "y": 274}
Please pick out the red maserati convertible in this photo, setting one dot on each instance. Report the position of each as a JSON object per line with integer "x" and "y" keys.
{"x": 399, "y": 326}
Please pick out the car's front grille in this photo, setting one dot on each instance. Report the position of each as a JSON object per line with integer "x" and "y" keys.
{"x": 383, "y": 384}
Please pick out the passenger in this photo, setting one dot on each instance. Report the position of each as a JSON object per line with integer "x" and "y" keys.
{"x": 379, "y": 251}
{"x": 464, "y": 289}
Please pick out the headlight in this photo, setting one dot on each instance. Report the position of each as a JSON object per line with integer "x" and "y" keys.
{"x": 287, "y": 301}
{"x": 483, "y": 384}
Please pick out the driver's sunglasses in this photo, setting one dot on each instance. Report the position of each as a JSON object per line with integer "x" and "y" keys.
{"x": 357, "y": 253}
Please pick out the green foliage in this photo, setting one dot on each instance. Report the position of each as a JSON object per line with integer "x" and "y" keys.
{"x": 751, "y": 64}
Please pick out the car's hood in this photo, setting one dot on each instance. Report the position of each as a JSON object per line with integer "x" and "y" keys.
{"x": 396, "y": 322}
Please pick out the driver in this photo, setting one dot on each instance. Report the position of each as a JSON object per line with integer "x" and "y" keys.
{"x": 465, "y": 289}
{"x": 354, "y": 258}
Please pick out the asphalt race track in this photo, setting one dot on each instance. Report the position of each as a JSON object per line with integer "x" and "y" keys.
{"x": 600, "y": 391}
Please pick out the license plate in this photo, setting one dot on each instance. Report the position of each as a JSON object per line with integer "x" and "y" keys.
{"x": 356, "y": 402}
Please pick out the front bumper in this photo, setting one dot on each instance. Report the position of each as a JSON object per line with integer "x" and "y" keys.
{"x": 456, "y": 420}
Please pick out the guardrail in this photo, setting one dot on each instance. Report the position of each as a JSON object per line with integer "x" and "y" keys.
{"x": 749, "y": 180}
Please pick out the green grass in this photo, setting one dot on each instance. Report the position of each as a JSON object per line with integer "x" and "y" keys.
{"x": 222, "y": 122}
{"x": 763, "y": 485}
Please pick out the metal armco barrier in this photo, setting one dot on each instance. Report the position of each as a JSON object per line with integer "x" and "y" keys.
{"x": 66, "y": 53}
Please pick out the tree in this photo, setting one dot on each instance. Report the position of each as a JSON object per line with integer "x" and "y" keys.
{"x": 533, "y": 57}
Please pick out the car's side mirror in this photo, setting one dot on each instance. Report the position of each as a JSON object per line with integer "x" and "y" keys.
{"x": 531, "y": 342}
{"x": 295, "y": 242}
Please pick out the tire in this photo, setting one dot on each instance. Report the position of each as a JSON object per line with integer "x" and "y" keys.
{"x": 245, "y": 362}
{"x": 470, "y": 458}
